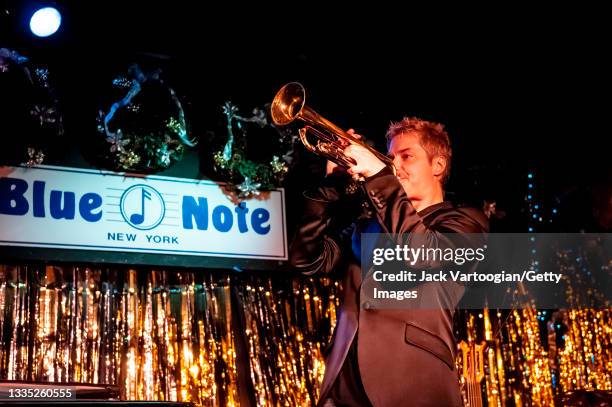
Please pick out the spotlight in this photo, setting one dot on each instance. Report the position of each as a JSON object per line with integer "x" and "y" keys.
{"x": 45, "y": 21}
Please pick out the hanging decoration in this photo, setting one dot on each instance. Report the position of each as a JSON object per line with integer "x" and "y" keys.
{"x": 31, "y": 120}
{"x": 145, "y": 131}
{"x": 164, "y": 335}
{"x": 287, "y": 326}
{"x": 246, "y": 175}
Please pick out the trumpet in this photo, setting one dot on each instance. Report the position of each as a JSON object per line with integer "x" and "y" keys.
{"x": 289, "y": 105}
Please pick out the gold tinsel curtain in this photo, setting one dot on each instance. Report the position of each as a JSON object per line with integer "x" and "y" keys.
{"x": 163, "y": 335}
{"x": 226, "y": 339}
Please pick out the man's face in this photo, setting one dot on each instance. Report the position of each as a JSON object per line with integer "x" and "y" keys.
{"x": 414, "y": 168}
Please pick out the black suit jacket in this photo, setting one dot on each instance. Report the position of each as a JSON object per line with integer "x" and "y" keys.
{"x": 406, "y": 356}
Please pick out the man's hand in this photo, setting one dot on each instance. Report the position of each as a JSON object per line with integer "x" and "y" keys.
{"x": 367, "y": 163}
{"x": 332, "y": 166}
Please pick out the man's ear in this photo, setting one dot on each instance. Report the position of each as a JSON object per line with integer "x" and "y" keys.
{"x": 438, "y": 165}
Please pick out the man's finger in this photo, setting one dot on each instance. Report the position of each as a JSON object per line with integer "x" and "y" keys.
{"x": 355, "y": 169}
{"x": 348, "y": 150}
{"x": 351, "y": 132}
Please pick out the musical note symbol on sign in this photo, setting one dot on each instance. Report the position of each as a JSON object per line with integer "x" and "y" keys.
{"x": 138, "y": 218}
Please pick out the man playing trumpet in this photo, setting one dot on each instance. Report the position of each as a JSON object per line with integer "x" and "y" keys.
{"x": 378, "y": 357}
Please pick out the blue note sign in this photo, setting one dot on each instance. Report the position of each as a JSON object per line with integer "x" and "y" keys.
{"x": 60, "y": 207}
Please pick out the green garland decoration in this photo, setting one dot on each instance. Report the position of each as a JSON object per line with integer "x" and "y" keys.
{"x": 245, "y": 177}
{"x": 136, "y": 141}
{"x": 33, "y": 133}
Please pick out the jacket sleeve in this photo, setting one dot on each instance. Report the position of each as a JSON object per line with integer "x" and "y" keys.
{"x": 459, "y": 227}
{"x": 313, "y": 249}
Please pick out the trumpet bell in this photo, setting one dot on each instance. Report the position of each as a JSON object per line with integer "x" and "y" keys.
{"x": 288, "y": 103}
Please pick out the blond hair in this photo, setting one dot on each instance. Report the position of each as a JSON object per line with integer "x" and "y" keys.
{"x": 432, "y": 137}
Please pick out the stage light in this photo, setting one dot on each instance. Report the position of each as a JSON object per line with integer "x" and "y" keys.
{"x": 45, "y": 22}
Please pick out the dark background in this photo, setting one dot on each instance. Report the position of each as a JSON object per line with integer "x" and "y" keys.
{"x": 519, "y": 90}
